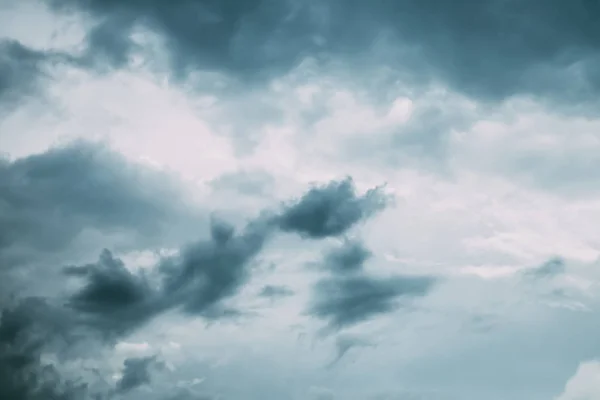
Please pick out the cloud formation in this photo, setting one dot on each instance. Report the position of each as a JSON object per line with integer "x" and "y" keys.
{"x": 51, "y": 198}
{"x": 347, "y": 301}
{"x": 550, "y": 269}
{"x": 206, "y": 272}
{"x": 136, "y": 372}
{"x": 330, "y": 210}
{"x": 348, "y": 258}
{"x": 492, "y": 50}
{"x": 349, "y": 295}
{"x": 20, "y": 70}
{"x": 275, "y": 291}
{"x": 23, "y": 374}
{"x": 113, "y": 300}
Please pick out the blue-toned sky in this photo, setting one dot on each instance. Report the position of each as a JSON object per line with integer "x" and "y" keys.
{"x": 300, "y": 199}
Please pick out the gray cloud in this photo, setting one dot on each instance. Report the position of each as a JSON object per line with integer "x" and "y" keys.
{"x": 345, "y": 301}
{"x": 113, "y": 300}
{"x": 20, "y": 70}
{"x": 349, "y": 295}
{"x": 48, "y": 200}
{"x": 345, "y": 343}
{"x": 330, "y": 210}
{"x": 350, "y": 257}
{"x": 248, "y": 183}
{"x": 51, "y": 197}
{"x": 490, "y": 49}
{"x": 252, "y": 40}
{"x": 136, "y": 372}
{"x": 206, "y": 272}
{"x": 23, "y": 374}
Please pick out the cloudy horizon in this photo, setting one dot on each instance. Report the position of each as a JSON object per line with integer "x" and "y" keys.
{"x": 306, "y": 200}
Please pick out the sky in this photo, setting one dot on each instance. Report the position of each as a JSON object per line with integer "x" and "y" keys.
{"x": 299, "y": 199}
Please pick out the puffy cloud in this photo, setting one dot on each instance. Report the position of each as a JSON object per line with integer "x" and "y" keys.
{"x": 585, "y": 384}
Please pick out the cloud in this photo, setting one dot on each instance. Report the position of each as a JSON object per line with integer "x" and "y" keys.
{"x": 113, "y": 299}
{"x": 245, "y": 183}
{"x": 508, "y": 48}
{"x": 348, "y": 258}
{"x": 207, "y": 272}
{"x": 136, "y": 372}
{"x": 82, "y": 185}
{"x": 330, "y": 210}
{"x": 50, "y": 199}
{"x": 584, "y": 384}
{"x": 345, "y": 343}
{"x": 346, "y": 301}
{"x": 549, "y": 269}
{"x": 23, "y": 374}
{"x": 20, "y": 70}
{"x": 252, "y": 40}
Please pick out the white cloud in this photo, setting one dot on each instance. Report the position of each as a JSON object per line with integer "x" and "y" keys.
{"x": 585, "y": 384}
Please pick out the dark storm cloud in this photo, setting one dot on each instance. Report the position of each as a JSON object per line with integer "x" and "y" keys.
{"x": 345, "y": 343}
{"x": 19, "y": 70}
{"x": 347, "y": 258}
{"x": 345, "y": 301}
{"x": 48, "y": 199}
{"x": 136, "y": 372}
{"x": 115, "y": 301}
{"x": 27, "y": 334}
{"x": 330, "y": 210}
{"x": 491, "y": 48}
{"x": 23, "y": 375}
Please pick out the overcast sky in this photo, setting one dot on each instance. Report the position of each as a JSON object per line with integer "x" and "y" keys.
{"x": 300, "y": 199}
